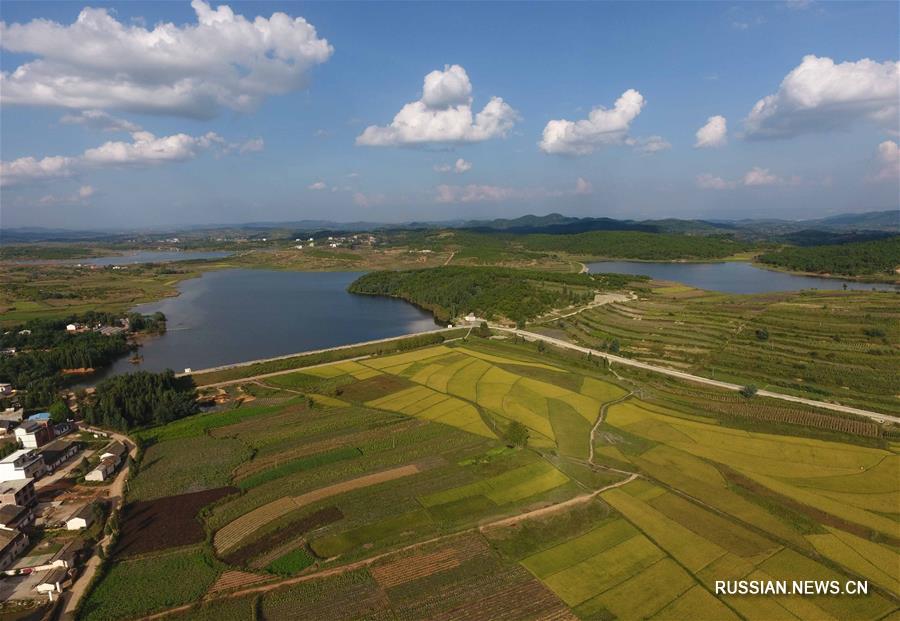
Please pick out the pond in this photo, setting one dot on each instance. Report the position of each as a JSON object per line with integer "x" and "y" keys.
{"x": 730, "y": 277}
{"x": 236, "y": 315}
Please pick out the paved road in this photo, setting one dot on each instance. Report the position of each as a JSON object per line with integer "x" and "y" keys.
{"x": 315, "y": 351}
{"x": 532, "y": 336}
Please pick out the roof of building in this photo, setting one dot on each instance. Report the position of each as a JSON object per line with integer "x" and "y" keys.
{"x": 16, "y": 455}
{"x": 13, "y": 486}
{"x": 9, "y": 513}
{"x": 55, "y": 450}
{"x": 116, "y": 448}
{"x": 40, "y": 416}
{"x": 30, "y": 426}
{"x": 85, "y": 512}
{"x": 8, "y": 536}
{"x": 57, "y": 574}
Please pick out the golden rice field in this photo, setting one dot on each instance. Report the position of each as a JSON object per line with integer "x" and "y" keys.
{"x": 390, "y": 476}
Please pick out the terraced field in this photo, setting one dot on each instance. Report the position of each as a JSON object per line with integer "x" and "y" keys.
{"x": 822, "y": 345}
{"x": 383, "y": 488}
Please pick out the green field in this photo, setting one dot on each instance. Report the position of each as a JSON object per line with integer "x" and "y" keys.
{"x": 824, "y": 345}
{"x": 400, "y": 464}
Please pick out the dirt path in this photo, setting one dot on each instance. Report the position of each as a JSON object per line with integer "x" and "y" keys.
{"x": 600, "y": 419}
{"x": 450, "y": 258}
{"x": 533, "y": 336}
{"x": 116, "y": 497}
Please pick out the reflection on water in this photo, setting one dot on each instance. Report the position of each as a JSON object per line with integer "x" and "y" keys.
{"x": 236, "y": 315}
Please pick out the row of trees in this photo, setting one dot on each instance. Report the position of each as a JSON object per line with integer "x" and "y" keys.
{"x": 489, "y": 292}
{"x": 854, "y": 259}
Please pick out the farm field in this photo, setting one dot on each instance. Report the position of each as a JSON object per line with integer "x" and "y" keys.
{"x": 826, "y": 345}
{"x": 387, "y": 488}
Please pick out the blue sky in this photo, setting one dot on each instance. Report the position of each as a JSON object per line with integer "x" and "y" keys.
{"x": 279, "y": 141}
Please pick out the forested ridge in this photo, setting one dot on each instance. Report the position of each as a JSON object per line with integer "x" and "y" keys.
{"x": 637, "y": 245}
{"x": 852, "y": 259}
{"x": 489, "y": 292}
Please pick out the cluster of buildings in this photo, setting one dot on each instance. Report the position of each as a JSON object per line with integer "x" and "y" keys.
{"x": 44, "y": 449}
{"x": 121, "y": 325}
{"x": 349, "y": 241}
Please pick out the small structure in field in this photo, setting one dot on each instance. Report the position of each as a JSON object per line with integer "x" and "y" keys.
{"x": 52, "y": 582}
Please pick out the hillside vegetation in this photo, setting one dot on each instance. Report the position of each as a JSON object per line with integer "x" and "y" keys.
{"x": 637, "y": 245}
{"x": 854, "y": 259}
{"x": 490, "y": 292}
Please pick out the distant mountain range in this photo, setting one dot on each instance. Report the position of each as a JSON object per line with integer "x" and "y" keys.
{"x": 833, "y": 229}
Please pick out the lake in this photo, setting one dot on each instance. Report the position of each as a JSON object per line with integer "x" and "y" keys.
{"x": 730, "y": 277}
{"x": 236, "y": 315}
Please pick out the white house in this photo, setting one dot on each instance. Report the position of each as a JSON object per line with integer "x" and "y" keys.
{"x": 52, "y": 581}
{"x": 71, "y": 327}
{"x": 21, "y": 464}
{"x": 83, "y": 518}
{"x": 101, "y": 471}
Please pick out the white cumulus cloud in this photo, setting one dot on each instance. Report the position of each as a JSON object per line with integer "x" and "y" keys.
{"x": 707, "y": 181}
{"x": 583, "y": 187}
{"x": 145, "y": 149}
{"x": 459, "y": 167}
{"x": 714, "y": 134}
{"x": 649, "y": 146}
{"x": 223, "y": 60}
{"x": 821, "y": 95}
{"x": 318, "y": 185}
{"x": 98, "y": 119}
{"x": 761, "y": 176}
{"x": 888, "y": 162}
{"x": 602, "y": 127}
{"x": 85, "y": 191}
{"x": 443, "y": 115}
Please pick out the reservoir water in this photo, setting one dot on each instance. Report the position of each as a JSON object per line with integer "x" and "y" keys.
{"x": 730, "y": 277}
{"x": 237, "y": 315}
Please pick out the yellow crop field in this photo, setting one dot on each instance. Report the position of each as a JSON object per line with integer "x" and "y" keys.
{"x": 505, "y": 360}
{"x": 696, "y": 603}
{"x": 504, "y": 488}
{"x": 427, "y": 404}
{"x": 439, "y": 379}
{"x": 416, "y": 355}
{"x": 592, "y": 576}
{"x": 644, "y": 594}
{"x": 573, "y": 551}
{"x": 688, "y": 548}
{"x": 325, "y": 371}
{"x": 876, "y": 562}
{"x": 600, "y": 391}
{"x": 463, "y": 383}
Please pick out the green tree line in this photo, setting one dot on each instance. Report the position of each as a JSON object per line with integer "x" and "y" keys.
{"x": 140, "y": 399}
{"x": 853, "y": 259}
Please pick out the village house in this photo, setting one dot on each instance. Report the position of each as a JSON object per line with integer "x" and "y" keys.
{"x": 101, "y": 471}
{"x": 81, "y": 519}
{"x": 16, "y": 517}
{"x": 57, "y": 453}
{"x": 33, "y": 434}
{"x": 70, "y": 554}
{"x": 25, "y": 463}
{"x": 115, "y": 451}
{"x": 52, "y": 582}
{"x": 18, "y": 492}
{"x": 12, "y": 543}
